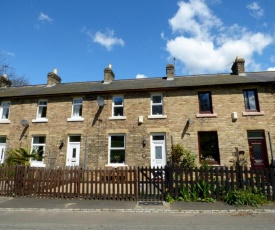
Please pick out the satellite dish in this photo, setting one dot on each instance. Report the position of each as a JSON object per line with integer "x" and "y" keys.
{"x": 24, "y": 123}
{"x": 100, "y": 101}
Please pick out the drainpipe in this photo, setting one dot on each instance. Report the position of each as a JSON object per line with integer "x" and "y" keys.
{"x": 271, "y": 150}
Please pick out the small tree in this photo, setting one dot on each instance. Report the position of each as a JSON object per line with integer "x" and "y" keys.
{"x": 21, "y": 156}
{"x": 182, "y": 157}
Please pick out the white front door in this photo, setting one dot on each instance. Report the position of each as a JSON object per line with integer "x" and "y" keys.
{"x": 73, "y": 154}
{"x": 2, "y": 153}
{"x": 158, "y": 150}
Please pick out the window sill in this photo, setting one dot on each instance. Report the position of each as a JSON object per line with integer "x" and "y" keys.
{"x": 36, "y": 164}
{"x": 118, "y": 118}
{"x": 75, "y": 119}
{"x": 157, "y": 116}
{"x": 113, "y": 165}
{"x": 199, "y": 115}
{"x": 38, "y": 120}
{"x": 5, "y": 121}
{"x": 253, "y": 113}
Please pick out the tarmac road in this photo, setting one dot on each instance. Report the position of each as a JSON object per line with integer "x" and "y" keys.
{"x": 131, "y": 221}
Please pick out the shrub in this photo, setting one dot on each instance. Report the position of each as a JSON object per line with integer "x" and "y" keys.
{"x": 245, "y": 197}
{"x": 21, "y": 156}
{"x": 182, "y": 157}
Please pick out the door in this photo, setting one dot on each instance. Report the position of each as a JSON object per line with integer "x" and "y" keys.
{"x": 2, "y": 153}
{"x": 158, "y": 150}
{"x": 258, "y": 154}
{"x": 73, "y": 154}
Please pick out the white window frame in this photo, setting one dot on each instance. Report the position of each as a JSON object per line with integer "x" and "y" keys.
{"x": 35, "y": 163}
{"x": 5, "y": 105}
{"x": 2, "y": 149}
{"x": 156, "y": 104}
{"x": 74, "y": 104}
{"x": 39, "y": 111}
{"x": 117, "y": 117}
{"x": 116, "y": 148}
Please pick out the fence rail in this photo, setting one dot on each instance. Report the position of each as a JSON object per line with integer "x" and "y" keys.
{"x": 131, "y": 183}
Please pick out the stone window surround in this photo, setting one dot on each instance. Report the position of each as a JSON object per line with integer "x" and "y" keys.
{"x": 4, "y": 121}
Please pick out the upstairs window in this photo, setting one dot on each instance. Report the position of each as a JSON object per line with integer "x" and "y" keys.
{"x": 118, "y": 104}
{"x": 42, "y": 109}
{"x": 205, "y": 102}
{"x": 251, "y": 100}
{"x": 77, "y": 107}
{"x": 5, "y": 110}
{"x": 157, "y": 104}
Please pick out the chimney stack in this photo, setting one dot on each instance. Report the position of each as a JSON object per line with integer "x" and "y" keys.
{"x": 238, "y": 66}
{"x": 4, "y": 81}
{"x": 53, "y": 78}
{"x": 170, "y": 70}
{"x": 108, "y": 74}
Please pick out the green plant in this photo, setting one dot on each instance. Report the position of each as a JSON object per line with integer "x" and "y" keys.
{"x": 185, "y": 195}
{"x": 182, "y": 157}
{"x": 245, "y": 197}
{"x": 169, "y": 198}
{"x": 21, "y": 156}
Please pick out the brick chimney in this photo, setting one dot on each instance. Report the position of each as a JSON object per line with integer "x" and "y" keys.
{"x": 170, "y": 70}
{"x": 238, "y": 66}
{"x": 108, "y": 74}
{"x": 4, "y": 81}
{"x": 53, "y": 78}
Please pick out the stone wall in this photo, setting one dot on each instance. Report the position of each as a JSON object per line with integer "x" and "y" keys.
{"x": 179, "y": 106}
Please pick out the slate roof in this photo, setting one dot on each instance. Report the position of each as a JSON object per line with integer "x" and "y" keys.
{"x": 138, "y": 84}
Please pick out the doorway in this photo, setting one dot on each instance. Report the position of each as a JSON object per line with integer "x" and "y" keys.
{"x": 158, "y": 150}
{"x": 257, "y": 149}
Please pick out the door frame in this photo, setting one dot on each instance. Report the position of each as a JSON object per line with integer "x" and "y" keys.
{"x": 69, "y": 149}
{"x": 154, "y": 143}
{"x": 262, "y": 141}
{"x": 2, "y": 152}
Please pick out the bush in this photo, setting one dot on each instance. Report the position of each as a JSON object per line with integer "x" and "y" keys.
{"x": 182, "y": 157}
{"x": 21, "y": 156}
{"x": 245, "y": 197}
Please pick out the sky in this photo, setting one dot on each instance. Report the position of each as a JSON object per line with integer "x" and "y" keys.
{"x": 138, "y": 38}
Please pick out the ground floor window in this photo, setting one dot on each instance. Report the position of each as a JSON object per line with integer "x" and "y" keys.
{"x": 2, "y": 148}
{"x": 209, "y": 147}
{"x": 116, "y": 149}
{"x": 38, "y": 148}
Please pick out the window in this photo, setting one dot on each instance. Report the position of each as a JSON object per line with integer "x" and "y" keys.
{"x": 117, "y": 149}
{"x": 118, "y": 103}
{"x": 38, "y": 148}
{"x": 205, "y": 102}
{"x": 76, "y": 110}
{"x": 209, "y": 147}
{"x": 5, "y": 110}
{"x": 77, "y": 107}
{"x": 156, "y": 105}
{"x": 42, "y": 109}
{"x": 251, "y": 100}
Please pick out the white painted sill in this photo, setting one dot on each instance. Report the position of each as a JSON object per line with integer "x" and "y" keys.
{"x": 39, "y": 120}
{"x": 118, "y": 118}
{"x": 36, "y": 164}
{"x": 75, "y": 119}
{"x": 201, "y": 115}
{"x": 116, "y": 165}
{"x": 253, "y": 113}
{"x": 5, "y": 121}
{"x": 157, "y": 116}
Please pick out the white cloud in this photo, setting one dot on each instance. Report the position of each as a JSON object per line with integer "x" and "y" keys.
{"x": 255, "y": 10}
{"x": 141, "y": 76}
{"x": 9, "y": 53}
{"x": 271, "y": 69}
{"x": 44, "y": 18}
{"x": 106, "y": 39}
{"x": 203, "y": 45}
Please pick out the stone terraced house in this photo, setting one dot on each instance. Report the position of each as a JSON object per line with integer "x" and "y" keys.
{"x": 136, "y": 122}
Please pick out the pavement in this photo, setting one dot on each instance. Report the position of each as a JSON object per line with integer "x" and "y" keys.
{"x": 76, "y": 205}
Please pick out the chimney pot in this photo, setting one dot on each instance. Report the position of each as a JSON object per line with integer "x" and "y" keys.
{"x": 53, "y": 78}
{"x": 170, "y": 70}
{"x": 4, "y": 81}
{"x": 238, "y": 67}
{"x": 108, "y": 74}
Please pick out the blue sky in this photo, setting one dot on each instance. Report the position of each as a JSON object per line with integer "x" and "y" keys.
{"x": 81, "y": 37}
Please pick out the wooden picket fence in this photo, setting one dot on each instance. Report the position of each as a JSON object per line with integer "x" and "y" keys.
{"x": 130, "y": 183}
